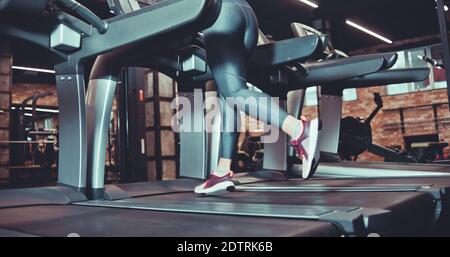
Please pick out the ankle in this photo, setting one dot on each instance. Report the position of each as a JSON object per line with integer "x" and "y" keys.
{"x": 220, "y": 172}
{"x": 298, "y": 130}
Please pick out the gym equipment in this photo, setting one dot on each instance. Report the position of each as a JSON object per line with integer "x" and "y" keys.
{"x": 114, "y": 193}
{"x": 331, "y": 104}
{"x": 428, "y": 152}
{"x": 159, "y": 205}
{"x": 392, "y": 76}
{"x": 431, "y": 61}
{"x": 24, "y": 124}
{"x": 72, "y": 42}
{"x": 356, "y": 138}
{"x": 35, "y": 150}
{"x": 330, "y": 110}
{"x": 249, "y": 155}
{"x": 120, "y": 196}
{"x": 277, "y": 82}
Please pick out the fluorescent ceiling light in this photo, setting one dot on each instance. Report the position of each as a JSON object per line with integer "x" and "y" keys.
{"x": 359, "y": 27}
{"x": 38, "y": 109}
{"x": 46, "y": 110}
{"x": 307, "y": 2}
{"x": 33, "y": 69}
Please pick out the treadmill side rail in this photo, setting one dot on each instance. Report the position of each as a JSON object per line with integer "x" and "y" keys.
{"x": 12, "y": 233}
{"x": 113, "y": 193}
{"x": 58, "y": 195}
{"x": 351, "y": 223}
{"x": 346, "y": 218}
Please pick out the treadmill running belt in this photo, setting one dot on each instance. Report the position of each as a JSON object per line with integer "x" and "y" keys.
{"x": 401, "y": 204}
{"x": 96, "y": 221}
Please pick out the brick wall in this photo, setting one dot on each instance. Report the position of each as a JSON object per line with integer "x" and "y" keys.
{"x": 5, "y": 100}
{"x": 386, "y": 125}
{"x": 22, "y": 91}
{"x": 160, "y": 129}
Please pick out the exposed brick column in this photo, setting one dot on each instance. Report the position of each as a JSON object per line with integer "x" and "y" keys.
{"x": 5, "y": 104}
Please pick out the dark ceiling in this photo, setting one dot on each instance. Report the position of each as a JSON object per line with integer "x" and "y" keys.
{"x": 394, "y": 19}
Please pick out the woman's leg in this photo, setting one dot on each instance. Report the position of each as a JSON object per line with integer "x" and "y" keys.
{"x": 228, "y": 138}
{"x": 228, "y": 43}
{"x": 220, "y": 179}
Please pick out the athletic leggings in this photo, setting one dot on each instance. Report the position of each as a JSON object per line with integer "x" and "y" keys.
{"x": 229, "y": 43}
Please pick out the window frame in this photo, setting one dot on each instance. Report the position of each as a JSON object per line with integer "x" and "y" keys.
{"x": 411, "y": 86}
{"x": 310, "y": 102}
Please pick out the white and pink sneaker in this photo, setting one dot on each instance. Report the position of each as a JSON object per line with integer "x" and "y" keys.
{"x": 215, "y": 185}
{"x": 307, "y": 147}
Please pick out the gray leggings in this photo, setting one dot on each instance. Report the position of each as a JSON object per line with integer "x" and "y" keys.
{"x": 229, "y": 43}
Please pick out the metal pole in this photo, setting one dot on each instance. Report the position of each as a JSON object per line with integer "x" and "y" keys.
{"x": 445, "y": 42}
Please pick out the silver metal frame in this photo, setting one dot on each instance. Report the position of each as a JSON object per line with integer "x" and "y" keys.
{"x": 331, "y": 112}
{"x": 72, "y": 131}
{"x": 275, "y": 154}
{"x": 193, "y": 145}
{"x": 99, "y": 99}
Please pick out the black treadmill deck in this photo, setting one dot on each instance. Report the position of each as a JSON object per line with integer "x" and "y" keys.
{"x": 62, "y": 220}
{"x": 409, "y": 213}
{"x": 424, "y": 204}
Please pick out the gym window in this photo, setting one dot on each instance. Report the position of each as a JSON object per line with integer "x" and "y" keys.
{"x": 409, "y": 59}
{"x": 311, "y": 96}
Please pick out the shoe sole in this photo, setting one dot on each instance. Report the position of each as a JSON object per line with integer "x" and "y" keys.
{"x": 218, "y": 189}
{"x": 312, "y": 163}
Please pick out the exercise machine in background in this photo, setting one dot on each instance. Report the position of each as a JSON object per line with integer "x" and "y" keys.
{"x": 34, "y": 142}
{"x": 356, "y": 138}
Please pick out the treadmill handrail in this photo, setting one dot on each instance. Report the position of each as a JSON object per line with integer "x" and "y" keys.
{"x": 395, "y": 76}
{"x": 334, "y": 70}
{"x": 188, "y": 11}
{"x": 191, "y": 11}
{"x": 284, "y": 52}
{"x": 86, "y": 14}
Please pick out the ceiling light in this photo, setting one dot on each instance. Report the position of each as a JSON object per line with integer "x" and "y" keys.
{"x": 46, "y": 110}
{"x": 359, "y": 27}
{"x": 307, "y": 2}
{"x": 38, "y": 109}
{"x": 33, "y": 69}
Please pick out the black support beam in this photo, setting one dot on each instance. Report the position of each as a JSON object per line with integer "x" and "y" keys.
{"x": 445, "y": 42}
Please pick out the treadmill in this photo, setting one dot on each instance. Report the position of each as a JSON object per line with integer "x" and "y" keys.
{"x": 379, "y": 214}
{"x": 57, "y": 211}
{"x": 355, "y": 176}
{"x": 331, "y": 106}
{"x": 169, "y": 208}
{"x": 392, "y": 76}
{"x": 187, "y": 65}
